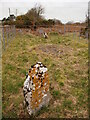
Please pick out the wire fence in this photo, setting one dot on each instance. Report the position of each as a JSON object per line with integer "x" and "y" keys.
{"x": 8, "y": 34}
{"x": 65, "y": 30}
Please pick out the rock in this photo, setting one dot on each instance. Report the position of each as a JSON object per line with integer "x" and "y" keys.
{"x": 36, "y": 88}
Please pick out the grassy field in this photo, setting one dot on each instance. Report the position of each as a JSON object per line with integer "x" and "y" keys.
{"x": 67, "y": 62}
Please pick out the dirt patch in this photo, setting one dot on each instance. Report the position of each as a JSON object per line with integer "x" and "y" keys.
{"x": 57, "y": 103}
{"x": 44, "y": 115}
{"x": 54, "y": 50}
{"x": 22, "y": 112}
{"x": 55, "y": 86}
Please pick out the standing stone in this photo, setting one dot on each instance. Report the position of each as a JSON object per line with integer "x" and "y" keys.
{"x": 36, "y": 88}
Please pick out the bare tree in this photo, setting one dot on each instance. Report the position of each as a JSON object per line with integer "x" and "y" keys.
{"x": 39, "y": 9}
{"x": 35, "y": 14}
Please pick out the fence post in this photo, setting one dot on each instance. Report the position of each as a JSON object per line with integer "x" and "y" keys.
{"x": 79, "y": 33}
{"x": 89, "y": 57}
{"x": 64, "y": 29}
{"x": 15, "y": 30}
{"x": 7, "y": 35}
{"x": 0, "y": 76}
{"x": 73, "y": 34}
{"x": 0, "y": 39}
{"x": 3, "y": 37}
{"x": 68, "y": 30}
{"x": 0, "y": 46}
{"x": 1, "y": 70}
{"x": 10, "y": 33}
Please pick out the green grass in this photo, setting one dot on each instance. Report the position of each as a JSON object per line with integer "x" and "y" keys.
{"x": 61, "y": 83}
{"x": 67, "y": 61}
{"x": 56, "y": 94}
{"x": 42, "y": 110}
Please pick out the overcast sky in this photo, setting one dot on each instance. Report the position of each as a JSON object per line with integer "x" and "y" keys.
{"x": 65, "y": 10}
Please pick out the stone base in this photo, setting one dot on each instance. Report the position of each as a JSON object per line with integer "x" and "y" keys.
{"x": 44, "y": 102}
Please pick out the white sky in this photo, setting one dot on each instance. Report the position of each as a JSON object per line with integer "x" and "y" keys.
{"x": 65, "y": 10}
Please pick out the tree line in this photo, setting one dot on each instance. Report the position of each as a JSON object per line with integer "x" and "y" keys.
{"x": 34, "y": 17}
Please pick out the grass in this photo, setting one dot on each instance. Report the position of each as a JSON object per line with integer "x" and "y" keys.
{"x": 61, "y": 83}
{"x": 67, "y": 104}
{"x": 67, "y": 61}
{"x": 56, "y": 94}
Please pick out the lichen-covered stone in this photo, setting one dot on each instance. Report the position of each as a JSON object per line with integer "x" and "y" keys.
{"x": 36, "y": 88}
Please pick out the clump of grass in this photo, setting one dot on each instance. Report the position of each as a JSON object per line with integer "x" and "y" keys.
{"x": 12, "y": 88}
{"x": 33, "y": 58}
{"x": 54, "y": 33}
{"x": 61, "y": 83}
{"x": 43, "y": 110}
{"x": 9, "y": 67}
{"x": 72, "y": 74}
{"x": 53, "y": 65}
{"x": 29, "y": 36}
{"x": 47, "y": 61}
{"x": 81, "y": 98}
{"x": 56, "y": 94}
{"x": 22, "y": 58}
{"x": 23, "y": 71}
{"x": 57, "y": 74}
{"x": 67, "y": 104}
{"x": 58, "y": 109}
{"x": 84, "y": 81}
